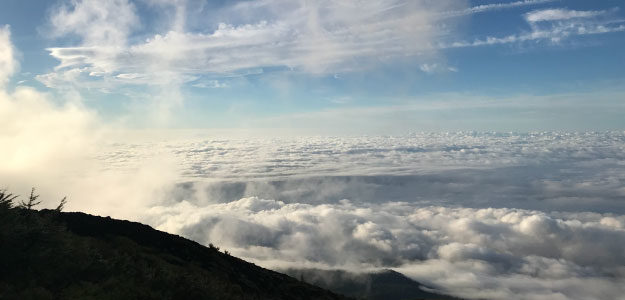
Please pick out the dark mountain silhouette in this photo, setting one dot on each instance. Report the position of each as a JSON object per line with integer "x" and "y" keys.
{"x": 382, "y": 285}
{"x": 50, "y": 254}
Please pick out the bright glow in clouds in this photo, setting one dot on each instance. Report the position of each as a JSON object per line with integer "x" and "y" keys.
{"x": 35, "y": 135}
{"x": 54, "y": 147}
{"x": 8, "y": 65}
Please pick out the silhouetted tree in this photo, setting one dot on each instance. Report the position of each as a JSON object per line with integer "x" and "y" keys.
{"x": 6, "y": 199}
{"x": 32, "y": 201}
{"x": 61, "y": 205}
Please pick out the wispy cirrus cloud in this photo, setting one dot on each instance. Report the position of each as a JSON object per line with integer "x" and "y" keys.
{"x": 245, "y": 37}
{"x": 436, "y": 68}
{"x": 319, "y": 37}
{"x": 561, "y": 14}
{"x": 495, "y": 6}
{"x": 554, "y": 25}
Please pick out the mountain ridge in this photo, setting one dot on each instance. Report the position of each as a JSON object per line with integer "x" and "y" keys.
{"x": 49, "y": 254}
{"x": 378, "y": 285}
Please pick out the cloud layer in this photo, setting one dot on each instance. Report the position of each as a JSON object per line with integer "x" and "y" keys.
{"x": 478, "y": 253}
{"x": 479, "y": 215}
{"x": 542, "y": 171}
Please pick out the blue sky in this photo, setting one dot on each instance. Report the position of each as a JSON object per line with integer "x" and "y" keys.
{"x": 384, "y": 66}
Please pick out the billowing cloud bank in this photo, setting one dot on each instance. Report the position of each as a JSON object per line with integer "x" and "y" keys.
{"x": 38, "y": 138}
{"x": 491, "y": 253}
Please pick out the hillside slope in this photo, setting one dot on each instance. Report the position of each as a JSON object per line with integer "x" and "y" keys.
{"x": 382, "y": 285}
{"x": 54, "y": 255}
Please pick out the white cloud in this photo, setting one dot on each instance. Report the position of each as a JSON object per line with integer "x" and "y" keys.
{"x": 540, "y": 171}
{"x": 54, "y": 145}
{"x": 245, "y": 37}
{"x": 210, "y": 84}
{"x": 554, "y": 25}
{"x": 37, "y": 136}
{"x": 436, "y": 68}
{"x": 319, "y": 37}
{"x": 473, "y": 253}
{"x": 97, "y": 23}
{"x": 496, "y": 6}
{"x": 420, "y": 204}
{"x": 56, "y": 148}
{"x": 8, "y": 64}
{"x": 554, "y": 14}
{"x": 103, "y": 28}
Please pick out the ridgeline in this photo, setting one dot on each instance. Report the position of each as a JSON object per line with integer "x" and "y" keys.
{"x": 50, "y": 254}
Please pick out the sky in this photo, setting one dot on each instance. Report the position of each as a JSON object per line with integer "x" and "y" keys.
{"x": 474, "y": 146}
{"x": 327, "y": 67}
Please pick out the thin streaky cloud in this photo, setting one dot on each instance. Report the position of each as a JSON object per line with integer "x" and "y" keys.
{"x": 555, "y": 35}
{"x": 298, "y": 37}
{"x": 561, "y": 14}
{"x": 494, "y": 6}
{"x": 553, "y": 25}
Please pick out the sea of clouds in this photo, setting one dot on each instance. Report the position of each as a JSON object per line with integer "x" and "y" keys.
{"x": 479, "y": 215}
{"x": 539, "y": 171}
